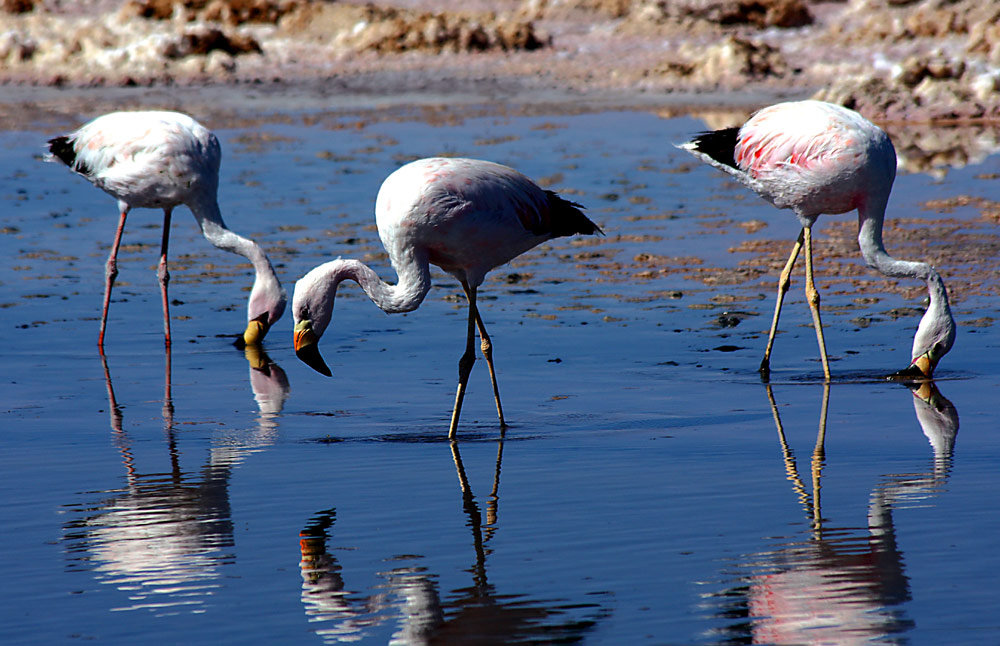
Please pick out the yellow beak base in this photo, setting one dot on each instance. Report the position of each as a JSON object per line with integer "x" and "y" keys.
{"x": 254, "y": 334}
{"x": 307, "y": 348}
{"x": 921, "y": 368}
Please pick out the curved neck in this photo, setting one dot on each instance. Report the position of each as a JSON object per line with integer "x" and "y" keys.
{"x": 267, "y": 296}
{"x": 873, "y": 250}
{"x": 405, "y": 296}
{"x": 215, "y": 231}
{"x": 936, "y": 331}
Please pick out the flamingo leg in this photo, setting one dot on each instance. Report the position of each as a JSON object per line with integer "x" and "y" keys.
{"x": 487, "y": 347}
{"x": 164, "y": 275}
{"x": 466, "y": 362}
{"x": 110, "y": 273}
{"x": 813, "y": 298}
{"x": 783, "y": 282}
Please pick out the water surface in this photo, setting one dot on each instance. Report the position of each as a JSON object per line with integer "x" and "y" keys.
{"x": 649, "y": 489}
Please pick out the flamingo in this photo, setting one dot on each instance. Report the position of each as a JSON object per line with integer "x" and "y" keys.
{"x": 160, "y": 160}
{"x": 814, "y": 157}
{"x": 466, "y": 216}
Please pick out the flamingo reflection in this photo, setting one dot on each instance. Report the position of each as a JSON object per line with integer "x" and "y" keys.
{"x": 409, "y": 594}
{"x": 839, "y": 586}
{"x": 163, "y": 537}
{"x": 269, "y": 385}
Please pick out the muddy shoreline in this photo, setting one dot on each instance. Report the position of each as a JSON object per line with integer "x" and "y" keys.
{"x": 918, "y": 62}
{"x": 46, "y": 106}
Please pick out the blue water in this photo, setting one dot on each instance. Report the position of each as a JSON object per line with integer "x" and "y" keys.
{"x": 649, "y": 489}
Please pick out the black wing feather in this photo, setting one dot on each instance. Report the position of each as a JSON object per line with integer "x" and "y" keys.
{"x": 720, "y": 145}
{"x": 567, "y": 219}
{"x": 62, "y": 148}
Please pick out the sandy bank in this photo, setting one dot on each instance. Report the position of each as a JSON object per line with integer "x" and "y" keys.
{"x": 894, "y": 60}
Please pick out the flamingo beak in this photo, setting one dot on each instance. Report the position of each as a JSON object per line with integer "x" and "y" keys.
{"x": 307, "y": 348}
{"x": 921, "y": 368}
{"x": 256, "y": 329}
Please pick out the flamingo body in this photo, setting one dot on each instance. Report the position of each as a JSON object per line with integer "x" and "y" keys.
{"x": 465, "y": 216}
{"x": 468, "y": 216}
{"x": 814, "y": 157}
{"x": 162, "y": 160}
{"x": 808, "y": 156}
{"x": 145, "y": 159}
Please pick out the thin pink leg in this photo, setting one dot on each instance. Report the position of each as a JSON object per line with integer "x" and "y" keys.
{"x": 110, "y": 273}
{"x": 164, "y": 275}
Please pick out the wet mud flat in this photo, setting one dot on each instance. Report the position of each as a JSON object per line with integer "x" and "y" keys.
{"x": 650, "y": 487}
{"x": 636, "y": 196}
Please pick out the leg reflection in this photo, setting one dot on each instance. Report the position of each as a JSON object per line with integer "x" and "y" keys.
{"x": 476, "y": 614}
{"x": 836, "y": 583}
{"x": 162, "y": 536}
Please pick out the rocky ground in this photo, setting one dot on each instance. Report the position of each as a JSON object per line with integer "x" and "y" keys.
{"x": 894, "y": 60}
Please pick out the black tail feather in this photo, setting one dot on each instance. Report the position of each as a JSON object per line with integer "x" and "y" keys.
{"x": 62, "y": 149}
{"x": 567, "y": 219}
{"x": 720, "y": 145}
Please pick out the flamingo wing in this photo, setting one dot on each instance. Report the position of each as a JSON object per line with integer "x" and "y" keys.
{"x": 801, "y": 138}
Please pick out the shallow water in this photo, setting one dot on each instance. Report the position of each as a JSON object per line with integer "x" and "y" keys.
{"x": 649, "y": 489}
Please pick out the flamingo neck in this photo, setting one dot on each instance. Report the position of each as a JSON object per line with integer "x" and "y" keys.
{"x": 405, "y": 296}
{"x": 874, "y": 253}
{"x": 937, "y": 321}
{"x": 215, "y": 231}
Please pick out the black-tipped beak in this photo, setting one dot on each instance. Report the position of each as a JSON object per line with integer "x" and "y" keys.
{"x": 921, "y": 368}
{"x": 307, "y": 348}
{"x": 310, "y": 355}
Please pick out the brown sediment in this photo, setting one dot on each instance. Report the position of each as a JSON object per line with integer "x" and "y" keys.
{"x": 924, "y": 60}
{"x": 966, "y": 251}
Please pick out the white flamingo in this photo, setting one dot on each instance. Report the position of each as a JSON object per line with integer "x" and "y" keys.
{"x": 161, "y": 160}
{"x": 464, "y": 215}
{"x": 813, "y": 158}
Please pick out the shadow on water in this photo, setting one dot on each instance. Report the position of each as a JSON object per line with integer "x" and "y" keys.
{"x": 837, "y": 583}
{"x": 408, "y": 594}
{"x": 432, "y": 435}
{"x": 164, "y": 537}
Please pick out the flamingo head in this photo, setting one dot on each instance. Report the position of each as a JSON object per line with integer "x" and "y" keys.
{"x": 934, "y": 338}
{"x": 312, "y": 311}
{"x": 930, "y": 347}
{"x": 265, "y": 307}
